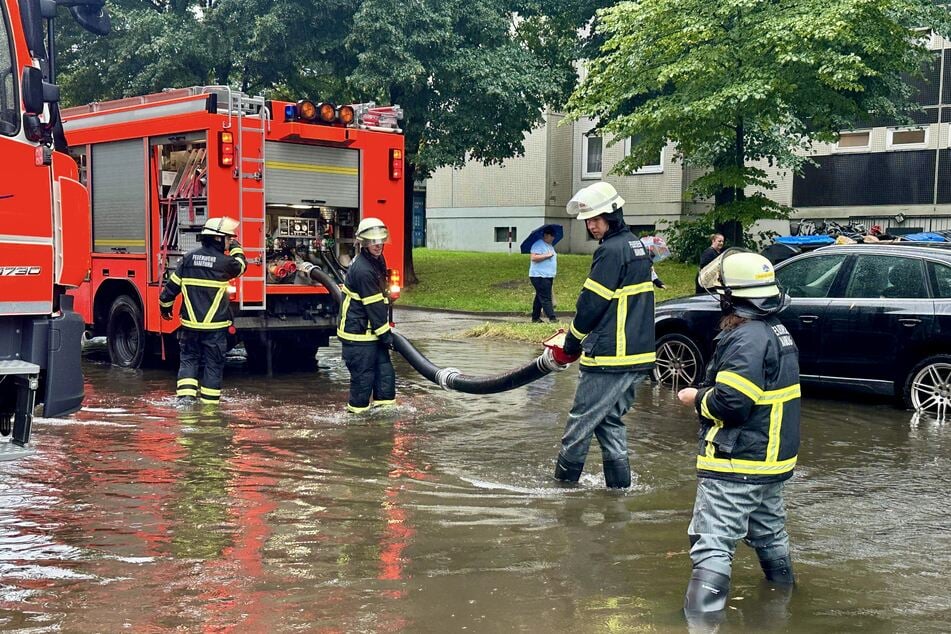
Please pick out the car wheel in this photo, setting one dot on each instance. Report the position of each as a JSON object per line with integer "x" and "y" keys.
{"x": 679, "y": 362}
{"x": 928, "y": 386}
{"x": 125, "y": 333}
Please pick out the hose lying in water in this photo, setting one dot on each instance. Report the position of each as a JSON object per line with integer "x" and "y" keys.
{"x": 452, "y": 378}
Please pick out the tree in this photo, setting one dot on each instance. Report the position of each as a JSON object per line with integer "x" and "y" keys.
{"x": 739, "y": 81}
{"x": 472, "y": 77}
{"x": 260, "y": 46}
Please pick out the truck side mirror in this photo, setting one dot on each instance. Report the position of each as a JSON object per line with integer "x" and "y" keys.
{"x": 90, "y": 14}
{"x": 93, "y": 17}
{"x": 31, "y": 14}
{"x": 31, "y": 85}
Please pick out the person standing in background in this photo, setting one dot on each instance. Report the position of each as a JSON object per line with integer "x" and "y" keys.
{"x": 709, "y": 255}
{"x": 541, "y": 272}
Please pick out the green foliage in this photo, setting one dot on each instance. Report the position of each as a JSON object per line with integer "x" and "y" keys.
{"x": 261, "y": 46}
{"x": 737, "y": 81}
{"x": 471, "y": 78}
{"x": 687, "y": 239}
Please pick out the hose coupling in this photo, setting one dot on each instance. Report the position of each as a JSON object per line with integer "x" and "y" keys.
{"x": 445, "y": 376}
{"x": 546, "y": 362}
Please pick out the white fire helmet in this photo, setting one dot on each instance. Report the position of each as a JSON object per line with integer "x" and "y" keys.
{"x": 220, "y": 227}
{"x": 594, "y": 200}
{"x": 741, "y": 274}
{"x": 372, "y": 231}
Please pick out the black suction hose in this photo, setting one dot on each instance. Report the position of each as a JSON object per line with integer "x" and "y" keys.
{"x": 451, "y": 378}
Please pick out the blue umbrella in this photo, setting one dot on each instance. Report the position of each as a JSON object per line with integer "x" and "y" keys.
{"x": 536, "y": 235}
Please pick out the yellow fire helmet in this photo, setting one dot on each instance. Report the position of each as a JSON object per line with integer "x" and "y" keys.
{"x": 372, "y": 231}
{"x": 220, "y": 227}
{"x": 594, "y": 200}
{"x": 739, "y": 273}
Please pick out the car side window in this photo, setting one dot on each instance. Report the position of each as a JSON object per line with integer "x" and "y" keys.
{"x": 887, "y": 276}
{"x": 940, "y": 280}
{"x": 810, "y": 277}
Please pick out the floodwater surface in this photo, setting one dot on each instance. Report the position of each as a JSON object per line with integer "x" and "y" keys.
{"x": 281, "y": 512}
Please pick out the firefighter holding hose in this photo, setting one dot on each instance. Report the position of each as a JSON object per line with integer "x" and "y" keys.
{"x": 364, "y": 329}
{"x": 202, "y": 278}
{"x": 613, "y": 331}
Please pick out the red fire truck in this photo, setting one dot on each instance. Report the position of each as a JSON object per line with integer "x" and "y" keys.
{"x": 44, "y": 225}
{"x": 298, "y": 176}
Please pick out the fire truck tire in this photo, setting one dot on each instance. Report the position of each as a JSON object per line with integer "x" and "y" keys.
{"x": 125, "y": 333}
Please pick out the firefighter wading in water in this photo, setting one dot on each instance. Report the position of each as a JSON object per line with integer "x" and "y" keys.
{"x": 749, "y": 434}
{"x": 202, "y": 278}
{"x": 364, "y": 329}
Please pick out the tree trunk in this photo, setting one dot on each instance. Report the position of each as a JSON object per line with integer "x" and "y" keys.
{"x": 409, "y": 178}
{"x": 732, "y": 230}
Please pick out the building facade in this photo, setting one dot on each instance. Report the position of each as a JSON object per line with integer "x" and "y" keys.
{"x": 896, "y": 176}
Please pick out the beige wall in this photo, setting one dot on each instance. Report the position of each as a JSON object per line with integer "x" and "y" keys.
{"x": 517, "y": 182}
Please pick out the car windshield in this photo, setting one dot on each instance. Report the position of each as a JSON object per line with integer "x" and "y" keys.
{"x": 811, "y": 276}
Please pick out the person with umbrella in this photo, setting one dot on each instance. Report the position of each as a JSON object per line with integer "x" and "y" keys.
{"x": 542, "y": 271}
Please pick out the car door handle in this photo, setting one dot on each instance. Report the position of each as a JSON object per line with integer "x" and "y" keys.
{"x": 909, "y": 322}
{"x": 808, "y": 319}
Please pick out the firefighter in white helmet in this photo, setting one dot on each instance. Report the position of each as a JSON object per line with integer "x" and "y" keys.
{"x": 202, "y": 277}
{"x": 749, "y": 433}
{"x": 364, "y": 329}
{"x": 613, "y": 333}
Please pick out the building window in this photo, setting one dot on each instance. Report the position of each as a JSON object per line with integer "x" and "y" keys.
{"x": 651, "y": 168}
{"x": 857, "y": 141}
{"x": 502, "y": 234}
{"x": 907, "y": 138}
{"x": 590, "y": 156}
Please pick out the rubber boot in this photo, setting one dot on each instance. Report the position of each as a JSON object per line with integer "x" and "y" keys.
{"x": 707, "y": 593}
{"x": 567, "y": 471}
{"x": 779, "y": 571}
{"x": 617, "y": 473}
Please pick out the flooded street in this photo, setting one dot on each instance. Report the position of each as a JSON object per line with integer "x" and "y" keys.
{"x": 280, "y": 512}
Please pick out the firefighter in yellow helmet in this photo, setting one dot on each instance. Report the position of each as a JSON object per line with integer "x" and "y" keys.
{"x": 364, "y": 329}
{"x": 613, "y": 333}
{"x": 202, "y": 278}
{"x": 749, "y": 433}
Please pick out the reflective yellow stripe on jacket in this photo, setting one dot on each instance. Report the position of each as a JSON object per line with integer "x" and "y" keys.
{"x": 369, "y": 335}
{"x": 774, "y": 399}
{"x": 205, "y": 323}
{"x": 621, "y": 296}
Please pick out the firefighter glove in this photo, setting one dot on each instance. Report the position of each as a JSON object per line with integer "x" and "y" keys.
{"x": 166, "y": 312}
{"x": 572, "y": 346}
{"x": 563, "y": 358}
{"x": 386, "y": 339}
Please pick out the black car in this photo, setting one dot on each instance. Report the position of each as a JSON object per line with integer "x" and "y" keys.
{"x": 874, "y": 318}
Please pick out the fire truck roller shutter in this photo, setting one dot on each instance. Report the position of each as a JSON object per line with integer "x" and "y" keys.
{"x": 117, "y": 180}
{"x": 295, "y": 173}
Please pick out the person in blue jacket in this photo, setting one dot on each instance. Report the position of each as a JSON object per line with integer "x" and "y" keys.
{"x": 541, "y": 273}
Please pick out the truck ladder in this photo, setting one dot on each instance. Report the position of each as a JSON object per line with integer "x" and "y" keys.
{"x": 251, "y": 131}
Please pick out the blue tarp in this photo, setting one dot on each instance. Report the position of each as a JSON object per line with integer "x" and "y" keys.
{"x": 925, "y": 237}
{"x": 805, "y": 240}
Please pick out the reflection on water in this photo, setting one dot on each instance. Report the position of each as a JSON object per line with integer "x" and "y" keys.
{"x": 281, "y": 512}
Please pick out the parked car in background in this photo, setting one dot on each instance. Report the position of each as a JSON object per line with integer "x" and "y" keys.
{"x": 866, "y": 317}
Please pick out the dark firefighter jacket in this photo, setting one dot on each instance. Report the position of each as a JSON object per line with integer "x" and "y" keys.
{"x": 202, "y": 278}
{"x": 365, "y": 315}
{"x": 749, "y": 407}
{"x": 614, "y": 315}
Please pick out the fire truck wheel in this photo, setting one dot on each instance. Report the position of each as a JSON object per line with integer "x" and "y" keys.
{"x": 125, "y": 333}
